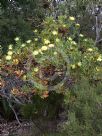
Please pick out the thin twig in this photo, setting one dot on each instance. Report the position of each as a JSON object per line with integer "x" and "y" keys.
{"x": 14, "y": 112}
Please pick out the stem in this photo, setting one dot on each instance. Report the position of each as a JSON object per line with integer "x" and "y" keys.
{"x": 14, "y": 112}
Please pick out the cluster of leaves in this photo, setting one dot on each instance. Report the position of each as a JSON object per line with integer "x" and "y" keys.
{"x": 18, "y": 17}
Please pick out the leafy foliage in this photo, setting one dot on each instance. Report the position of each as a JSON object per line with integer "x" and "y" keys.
{"x": 19, "y": 18}
{"x": 42, "y": 108}
{"x": 84, "y": 110}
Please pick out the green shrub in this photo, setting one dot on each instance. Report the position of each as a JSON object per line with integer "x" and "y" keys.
{"x": 58, "y": 49}
{"x": 62, "y": 60}
{"x": 5, "y": 110}
{"x": 48, "y": 108}
{"x": 84, "y": 108}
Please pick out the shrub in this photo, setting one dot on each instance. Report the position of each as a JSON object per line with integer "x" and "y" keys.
{"x": 60, "y": 59}
{"x": 57, "y": 50}
{"x": 84, "y": 108}
{"x": 42, "y": 108}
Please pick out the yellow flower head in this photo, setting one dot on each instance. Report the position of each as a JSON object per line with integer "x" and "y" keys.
{"x": 10, "y": 53}
{"x": 64, "y": 25}
{"x": 81, "y": 35}
{"x": 70, "y": 39}
{"x": 23, "y": 45}
{"x": 57, "y": 40}
{"x": 85, "y": 40}
{"x": 10, "y": 47}
{"x": 44, "y": 48}
{"x": 36, "y": 69}
{"x": 79, "y": 64}
{"x": 35, "y": 31}
{"x": 40, "y": 51}
{"x": 99, "y": 58}
{"x": 36, "y": 39}
{"x": 24, "y": 77}
{"x": 71, "y": 18}
{"x": 97, "y": 69}
{"x": 54, "y": 32}
{"x": 46, "y": 41}
{"x": 35, "y": 53}
{"x": 51, "y": 45}
{"x": 8, "y": 57}
{"x": 17, "y": 39}
{"x": 15, "y": 61}
{"x": 73, "y": 66}
{"x": 29, "y": 41}
{"x": 77, "y": 25}
{"x": 90, "y": 49}
{"x": 73, "y": 42}
{"x": 55, "y": 53}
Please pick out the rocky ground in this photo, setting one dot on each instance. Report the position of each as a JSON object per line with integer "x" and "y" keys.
{"x": 14, "y": 129}
{"x": 27, "y": 128}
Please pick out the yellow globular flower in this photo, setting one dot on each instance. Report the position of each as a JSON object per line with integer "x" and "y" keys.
{"x": 73, "y": 66}
{"x": 79, "y": 64}
{"x": 24, "y": 77}
{"x": 55, "y": 53}
{"x": 17, "y": 39}
{"x": 35, "y": 31}
{"x": 10, "y": 53}
{"x": 54, "y": 32}
{"x": 53, "y": 20}
{"x": 15, "y": 61}
{"x": 72, "y": 18}
{"x": 44, "y": 48}
{"x": 85, "y": 57}
{"x": 46, "y": 41}
{"x": 35, "y": 53}
{"x": 10, "y": 47}
{"x": 81, "y": 35}
{"x": 70, "y": 39}
{"x": 29, "y": 41}
{"x": 36, "y": 69}
{"x": 77, "y": 25}
{"x": 90, "y": 49}
{"x": 99, "y": 58}
{"x": 51, "y": 45}
{"x": 85, "y": 40}
{"x": 40, "y": 51}
{"x": 36, "y": 39}
{"x": 23, "y": 45}
{"x": 8, "y": 57}
{"x": 57, "y": 40}
{"x": 64, "y": 25}
{"x": 73, "y": 42}
{"x": 97, "y": 69}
